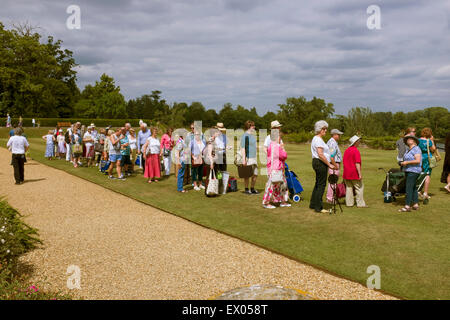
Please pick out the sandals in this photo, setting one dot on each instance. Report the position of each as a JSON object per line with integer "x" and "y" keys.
{"x": 404, "y": 209}
{"x": 415, "y": 207}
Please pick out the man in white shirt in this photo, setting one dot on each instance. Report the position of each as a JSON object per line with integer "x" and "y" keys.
{"x": 18, "y": 145}
{"x": 94, "y": 132}
{"x": 127, "y": 128}
{"x": 337, "y": 155}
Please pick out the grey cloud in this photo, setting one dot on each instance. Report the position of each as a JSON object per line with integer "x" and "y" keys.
{"x": 244, "y": 6}
{"x": 257, "y": 53}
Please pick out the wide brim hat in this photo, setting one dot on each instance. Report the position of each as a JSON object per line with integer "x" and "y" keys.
{"x": 275, "y": 124}
{"x": 220, "y": 126}
{"x": 405, "y": 138}
{"x": 353, "y": 140}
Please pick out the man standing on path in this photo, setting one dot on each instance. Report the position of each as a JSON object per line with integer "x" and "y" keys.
{"x": 33, "y": 121}
{"x": 352, "y": 174}
{"x": 142, "y": 137}
{"x": 18, "y": 145}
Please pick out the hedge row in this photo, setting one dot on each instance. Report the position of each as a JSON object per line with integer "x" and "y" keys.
{"x": 51, "y": 122}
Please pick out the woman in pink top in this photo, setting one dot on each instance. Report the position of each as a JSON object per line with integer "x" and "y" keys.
{"x": 276, "y": 192}
{"x": 167, "y": 144}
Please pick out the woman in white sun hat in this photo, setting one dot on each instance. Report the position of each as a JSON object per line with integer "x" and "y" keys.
{"x": 352, "y": 174}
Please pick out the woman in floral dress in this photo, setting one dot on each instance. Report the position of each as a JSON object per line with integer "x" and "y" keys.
{"x": 276, "y": 192}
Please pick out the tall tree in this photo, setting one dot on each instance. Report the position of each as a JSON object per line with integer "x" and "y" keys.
{"x": 298, "y": 114}
{"x": 103, "y": 100}
{"x": 361, "y": 121}
{"x": 36, "y": 79}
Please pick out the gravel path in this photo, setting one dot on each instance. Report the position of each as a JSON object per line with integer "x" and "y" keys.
{"x": 128, "y": 250}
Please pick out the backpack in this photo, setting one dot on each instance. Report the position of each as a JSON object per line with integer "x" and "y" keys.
{"x": 232, "y": 185}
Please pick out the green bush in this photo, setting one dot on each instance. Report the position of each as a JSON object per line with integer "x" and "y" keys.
{"x": 18, "y": 288}
{"x": 16, "y": 237}
{"x": 298, "y": 137}
{"x": 385, "y": 143}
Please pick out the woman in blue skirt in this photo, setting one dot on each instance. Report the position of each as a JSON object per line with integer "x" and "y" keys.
{"x": 50, "y": 147}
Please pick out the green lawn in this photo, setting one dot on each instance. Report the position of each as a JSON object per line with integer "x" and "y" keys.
{"x": 411, "y": 249}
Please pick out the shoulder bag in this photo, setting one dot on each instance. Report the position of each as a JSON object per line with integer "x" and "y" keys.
{"x": 166, "y": 152}
{"x": 213, "y": 184}
{"x": 431, "y": 160}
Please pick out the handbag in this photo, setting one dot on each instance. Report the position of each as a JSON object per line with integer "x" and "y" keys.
{"x": 213, "y": 184}
{"x": 197, "y": 161}
{"x": 77, "y": 148}
{"x": 437, "y": 155}
{"x": 104, "y": 165}
{"x": 238, "y": 159}
{"x": 276, "y": 175}
{"x": 98, "y": 147}
{"x": 166, "y": 153}
{"x": 245, "y": 171}
{"x": 431, "y": 160}
{"x": 138, "y": 160}
{"x": 340, "y": 190}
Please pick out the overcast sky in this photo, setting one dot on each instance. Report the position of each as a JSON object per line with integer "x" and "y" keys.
{"x": 257, "y": 52}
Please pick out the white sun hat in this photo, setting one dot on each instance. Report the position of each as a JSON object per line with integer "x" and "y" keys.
{"x": 353, "y": 140}
{"x": 275, "y": 124}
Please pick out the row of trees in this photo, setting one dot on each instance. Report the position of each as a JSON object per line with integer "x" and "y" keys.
{"x": 38, "y": 80}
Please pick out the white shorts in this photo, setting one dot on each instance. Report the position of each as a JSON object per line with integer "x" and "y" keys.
{"x": 254, "y": 163}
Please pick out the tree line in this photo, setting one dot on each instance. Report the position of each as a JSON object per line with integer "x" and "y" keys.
{"x": 38, "y": 79}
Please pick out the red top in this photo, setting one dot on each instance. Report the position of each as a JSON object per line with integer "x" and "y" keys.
{"x": 351, "y": 158}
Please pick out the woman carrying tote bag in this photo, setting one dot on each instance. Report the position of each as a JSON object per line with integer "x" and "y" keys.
{"x": 276, "y": 187}
{"x": 427, "y": 146}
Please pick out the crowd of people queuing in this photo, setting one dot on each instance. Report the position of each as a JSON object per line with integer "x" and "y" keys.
{"x": 124, "y": 149}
